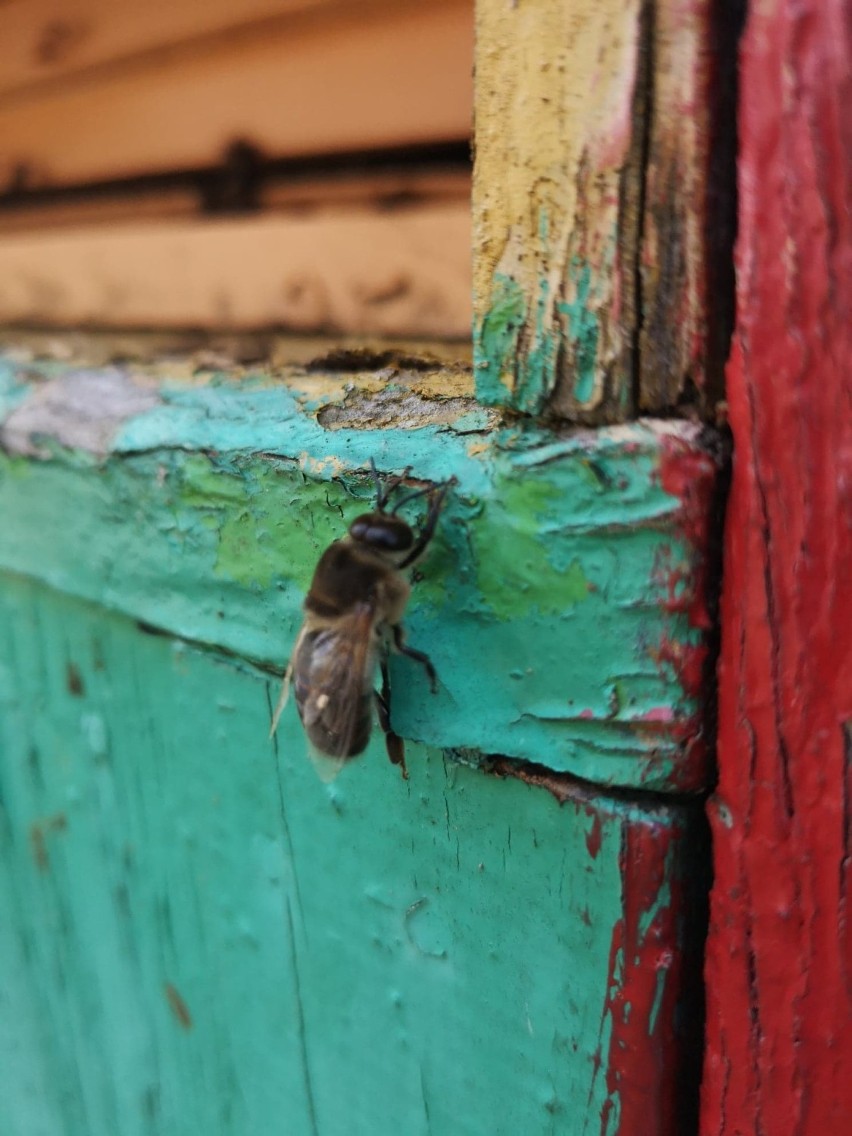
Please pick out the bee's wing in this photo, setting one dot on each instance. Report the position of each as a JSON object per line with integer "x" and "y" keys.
{"x": 325, "y": 766}
{"x": 285, "y": 685}
{"x": 333, "y": 680}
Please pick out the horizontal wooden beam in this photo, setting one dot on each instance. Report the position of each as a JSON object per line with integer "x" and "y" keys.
{"x": 56, "y": 40}
{"x": 399, "y": 182}
{"x": 564, "y": 602}
{"x": 401, "y": 270}
{"x": 348, "y": 77}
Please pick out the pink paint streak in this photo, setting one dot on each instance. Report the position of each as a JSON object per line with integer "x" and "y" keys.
{"x": 656, "y": 714}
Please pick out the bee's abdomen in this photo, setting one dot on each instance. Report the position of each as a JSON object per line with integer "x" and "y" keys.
{"x": 348, "y": 744}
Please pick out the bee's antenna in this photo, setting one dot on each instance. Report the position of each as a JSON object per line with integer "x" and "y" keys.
{"x": 411, "y": 497}
{"x": 439, "y": 492}
{"x": 383, "y": 493}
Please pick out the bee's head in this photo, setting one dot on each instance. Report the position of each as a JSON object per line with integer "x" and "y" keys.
{"x": 382, "y": 532}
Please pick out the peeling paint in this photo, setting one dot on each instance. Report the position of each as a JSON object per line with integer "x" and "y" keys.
{"x": 559, "y": 114}
{"x": 81, "y": 409}
{"x": 542, "y": 602}
{"x": 583, "y": 331}
{"x": 779, "y": 1022}
{"x": 401, "y": 408}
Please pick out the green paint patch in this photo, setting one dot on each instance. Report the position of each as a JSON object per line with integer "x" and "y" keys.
{"x": 582, "y": 333}
{"x": 14, "y": 468}
{"x": 662, "y": 899}
{"x": 536, "y": 369}
{"x": 576, "y": 584}
{"x": 519, "y": 343}
{"x": 537, "y": 366}
{"x": 495, "y": 344}
{"x": 515, "y": 574}
{"x": 656, "y": 1005}
{"x": 13, "y": 391}
{"x": 203, "y": 482}
{"x": 272, "y": 524}
{"x": 474, "y": 422}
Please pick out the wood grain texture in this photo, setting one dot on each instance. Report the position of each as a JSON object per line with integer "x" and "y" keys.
{"x": 203, "y": 929}
{"x": 565, "y": 608}
{"x": 779, "y": 1045}
{"x": 559, "y": 127}
{"x": 384, "y": 75}
{"x": 386, "y": 271}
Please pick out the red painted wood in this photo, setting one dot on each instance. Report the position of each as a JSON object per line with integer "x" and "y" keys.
{"x": 641, "y": 1077}
{"x": 779, "y": 1028}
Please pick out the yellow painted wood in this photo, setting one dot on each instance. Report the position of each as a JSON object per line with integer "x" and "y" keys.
{"x": 556, "y": 219}
{"x": 603, "y": 192}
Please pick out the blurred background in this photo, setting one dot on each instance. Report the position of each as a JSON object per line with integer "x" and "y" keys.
{"x": 302, "y": 165}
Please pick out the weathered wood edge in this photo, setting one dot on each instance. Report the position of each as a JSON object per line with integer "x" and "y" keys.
{"x": 672, "y": 336}
{"x": 689, "y": 207}
{"x": 559, "y": 106}
{"x": 779, "y": 953}
{"x": 565, "y": 602}
{"x": 603, "y": 217}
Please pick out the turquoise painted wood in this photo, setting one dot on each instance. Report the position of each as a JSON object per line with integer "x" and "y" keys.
{"x": 201, "y": 936}
{"x": 205, "y": 938}
{"x": 563, "y": 604}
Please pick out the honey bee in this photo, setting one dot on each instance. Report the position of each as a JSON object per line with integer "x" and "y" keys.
{"x": 353, "y": 619}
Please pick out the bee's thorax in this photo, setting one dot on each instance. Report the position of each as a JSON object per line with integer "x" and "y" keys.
{"x": 348, "y": 574}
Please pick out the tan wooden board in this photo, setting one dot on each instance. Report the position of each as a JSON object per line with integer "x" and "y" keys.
{"x": 390, "y": 272}
{"x": 354, "y": 76}
{"x": 46, "y": 40}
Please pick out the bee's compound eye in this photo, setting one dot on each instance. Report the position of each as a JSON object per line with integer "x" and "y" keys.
{"x": 382, "y": 531}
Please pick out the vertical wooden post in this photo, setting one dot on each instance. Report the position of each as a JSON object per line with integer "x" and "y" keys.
{"x": 779, "y": 1022}
{"x": 559, "y": 126}
{"x": 595, "y": 204}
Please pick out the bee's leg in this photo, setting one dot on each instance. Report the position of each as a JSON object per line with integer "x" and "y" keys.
{"x": 393, "y": 742}
{"x": 418, "y": 656}
{"x": 436, "y": 503}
